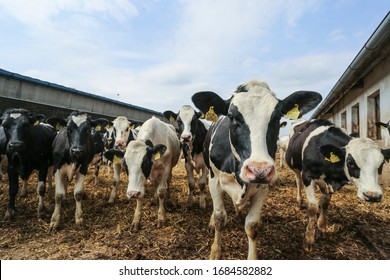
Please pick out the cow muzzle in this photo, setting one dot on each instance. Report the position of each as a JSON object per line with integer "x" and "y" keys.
{"x": 259, "y": 173}
{"x": 372, "y": 196}
{"x": 186, "y": 138}
{"x": 77, "y": 152}
{"x": 15, "y": 147}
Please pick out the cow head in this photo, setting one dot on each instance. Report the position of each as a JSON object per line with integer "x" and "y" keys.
{"x": 109, "y": 138}
{"x": 122, "y": 129}
{"x": 139, "y": 158}
{"x": 17, "y": 124}
{"x": 254, "y": 116}
{"x": 187, "y": 119}
{"x": 363, "y": 162}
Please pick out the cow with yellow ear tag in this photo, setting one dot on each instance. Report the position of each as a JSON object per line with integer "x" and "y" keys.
{"x": 324, "y": 156}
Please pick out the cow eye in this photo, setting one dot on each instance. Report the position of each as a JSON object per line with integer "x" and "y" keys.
{"x": 230, "y": 116}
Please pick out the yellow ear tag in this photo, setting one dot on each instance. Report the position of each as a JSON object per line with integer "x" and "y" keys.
{"x": 132, "y": 126}
{"x": 211, "y": 115}
{"x": 333, "y": 158}
{"x": 107, "y": 126}
{"x": 157, "y": 156}
{"x": 98, "y": 127}
{"x": 36, "y": 122}
{"x": 383, "y": 127}
{"x": 117, "y": 160}
{"x": 202, "y": 116}
{"x": 283, "y": 126}
{"x": 58, "y": 126}
{"x": 293, "y": 114}
{"x": 171, "y": 119}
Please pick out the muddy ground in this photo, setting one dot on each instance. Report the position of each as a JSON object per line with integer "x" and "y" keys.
{"x": 356, "y": 230}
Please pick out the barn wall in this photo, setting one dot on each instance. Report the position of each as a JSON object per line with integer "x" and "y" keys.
{"x": 51, "y": 98}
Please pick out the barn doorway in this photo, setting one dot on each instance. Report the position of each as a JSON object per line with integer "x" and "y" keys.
{"x": 373, "y": 116}
{"x": 355, "y": 119}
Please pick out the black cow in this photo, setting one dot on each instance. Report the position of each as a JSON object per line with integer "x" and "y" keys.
{"x": 28, "y": 148}
{"x": 192, "y": 133}
{"x": 73, "y": 151}
{"x": 241, "y": 149}
{"x": 321, "y": 154}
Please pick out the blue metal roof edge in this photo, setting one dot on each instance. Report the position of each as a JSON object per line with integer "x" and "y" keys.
{"x": 72, "y": 90}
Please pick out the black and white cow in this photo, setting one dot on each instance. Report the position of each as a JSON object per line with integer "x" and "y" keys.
{"x": 73, "y": 151}
{"x": 28, "y": 148}
{"x": 386, "y": 134}
{"x": 108, "y": 140}
{"x": 3, "y": 148}
{"x": 123, "y": 134}
{"x": 192, "y": 133}
{"x": 151, "y": 157}
{"x": 321, "y": 154}
{"x": 241, "y": 148}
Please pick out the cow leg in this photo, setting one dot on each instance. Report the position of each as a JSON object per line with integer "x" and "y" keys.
{"x": 219, "y": 217}
{"x": 23, "y": 189}
{"x": 117, "y": 173}
{"x": 97, "y": 168}
{"x": 191, "y": 182}
{"x": 281, "y": 157}
{"x": 161, "y": 192}
{"x": 324, "y": 204}
{"x": 61, "y": 180}
{"x": 13, "y": 190}
{"x": 78, "y": 196}
{"x": 41, "y": 190}
{"x": 299, "y": 183}
{"x": 252, "y": 220}
{"x": 50, "y": 179}
{"x": 202, "y": 187}
{"x": 136, "y": 224}
{"x": 312, "y": 209}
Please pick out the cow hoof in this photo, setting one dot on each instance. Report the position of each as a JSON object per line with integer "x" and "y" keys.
{"x": 135, "y": 227}
{"x": 308, "y": 247}
{"x": 42, "y": 213}
{"x": 9, "y": 215}
{"x": 53, "y": 227}
{"x": 160, "y": 223}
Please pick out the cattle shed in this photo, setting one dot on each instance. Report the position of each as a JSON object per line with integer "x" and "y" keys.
{"x": 361, "y": 95}
{"x": 50, "y": 99}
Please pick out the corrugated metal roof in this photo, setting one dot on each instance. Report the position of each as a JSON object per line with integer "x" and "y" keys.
{"x": 72, "y": 90}
{"x": 374, "y": 51}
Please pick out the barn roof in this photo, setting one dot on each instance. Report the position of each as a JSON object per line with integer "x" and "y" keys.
{"x": 374, "y": 51}
{"x": 72, "y": 90}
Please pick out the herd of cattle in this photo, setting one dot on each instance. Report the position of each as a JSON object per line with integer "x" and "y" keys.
{"x": 236, "y": 153}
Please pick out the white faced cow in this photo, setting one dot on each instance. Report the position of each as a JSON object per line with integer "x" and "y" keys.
{"x": 192, "y": 133}
{"x": 322, "y": 155}
{"x": 123, "y": 134}
{"x": 242, "y": 149}
{"x": 386, "y": 134}
{"x": 151, "y": 156}
{"x": 73, "y": 151}
{"x": 28, "y": 147}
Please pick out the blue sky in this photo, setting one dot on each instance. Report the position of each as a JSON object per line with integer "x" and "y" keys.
{"x": 156, "y": 54}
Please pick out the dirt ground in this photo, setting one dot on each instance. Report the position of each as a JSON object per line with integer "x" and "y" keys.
{"x": 356, "y": 230}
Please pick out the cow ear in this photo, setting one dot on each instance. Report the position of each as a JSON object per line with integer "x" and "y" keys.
{"x": 158, "y": 151}
{"x": 170, "y": 116}
{"x": 386, "y": 154}
{"x": 57, "y": 123}
{"x": 211, "y": 104}
{"x": 332, "y": 153}
{"x": 283, "y": 124}
{"x": 100, "y": 124}
{"x": 299, "y": 103}
{"x": 116, "y": 156}
{"x": 382, "y": 125}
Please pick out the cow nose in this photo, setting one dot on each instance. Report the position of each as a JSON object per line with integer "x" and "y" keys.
{"x": 135, "y": 194}
{"x": 15, "y": 146}
{"x": 259, "y": 172}
{"x": 77, "y": 151}
{"x": 186, "y": 138}
{"x": 120, "y": 144}
{"x": 372, "y": 196}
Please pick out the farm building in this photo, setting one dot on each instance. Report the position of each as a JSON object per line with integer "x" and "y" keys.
{"x": 361, "y": 95}
{"x": 19, "y": 91}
